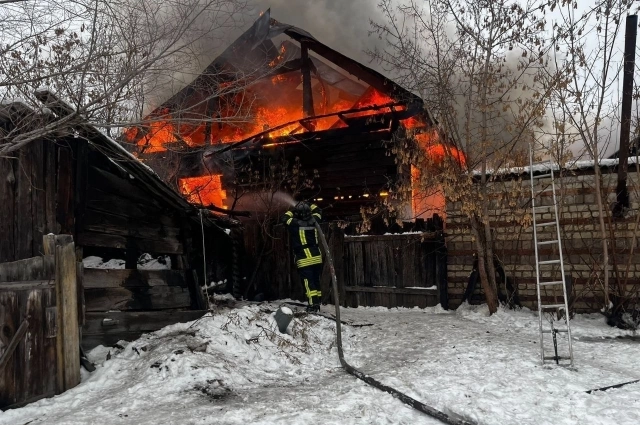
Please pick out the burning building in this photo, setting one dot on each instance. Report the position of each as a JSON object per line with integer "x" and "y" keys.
{"x": 280, "y": 110}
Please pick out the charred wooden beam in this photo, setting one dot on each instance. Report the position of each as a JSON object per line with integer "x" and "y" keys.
{"x": 290, "y": 66}
{"x": 307, "y": 95}
{"x": 260, "y": 137}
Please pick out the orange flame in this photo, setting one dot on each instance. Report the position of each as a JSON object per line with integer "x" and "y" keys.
{"x": 204, "y": 190}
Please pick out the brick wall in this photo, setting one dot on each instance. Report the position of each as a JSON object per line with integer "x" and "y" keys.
{"x": 580, "y": 234}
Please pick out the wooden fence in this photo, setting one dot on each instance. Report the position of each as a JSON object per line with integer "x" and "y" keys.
{"x": 404, "y": 270}
{"x": 39, "y": 324}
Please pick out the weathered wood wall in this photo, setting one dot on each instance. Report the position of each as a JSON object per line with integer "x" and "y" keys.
{"x": 123, "y": 304}
{"x": 68, "y": 187}
{"x": 118, "y": 214}
{"x": 28, "y": 207}
{"x": 392, "y": 270}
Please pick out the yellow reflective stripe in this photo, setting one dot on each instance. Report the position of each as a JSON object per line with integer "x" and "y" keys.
{"x": 317, "y": 215}
{"x": 307, "y": 253}
{"x": 303, "y": 238}
{"x": 306, "y": 260}
{"x": 309, "y": 261}
{"x": 289, "y": 213}
{"x": 289, "y": 221}
{"x": 316, "y": 257}
{"x": 306, "y": 285}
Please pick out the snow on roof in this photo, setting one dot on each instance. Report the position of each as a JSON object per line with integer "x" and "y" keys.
{"x": 541, "y": 167}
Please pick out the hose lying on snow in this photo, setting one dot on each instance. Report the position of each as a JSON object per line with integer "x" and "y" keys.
{"x": 369, "y": 380}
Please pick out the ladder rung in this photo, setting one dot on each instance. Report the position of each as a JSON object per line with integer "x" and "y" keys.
{"x": 545, "y": 262}
{"x": 548, "y": 242}
{"x": 555, "y": 282}
{"x": 545, "y": 331}
{"x": 547, "y": 306}
{"x": 558, "y": 358}
{"x": 547, "y": 223}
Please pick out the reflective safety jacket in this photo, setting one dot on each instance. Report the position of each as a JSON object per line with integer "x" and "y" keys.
{"x": 304, "y": 238}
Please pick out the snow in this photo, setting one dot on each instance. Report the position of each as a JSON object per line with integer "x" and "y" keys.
{"x": 145, "y": 262}
{"x": 94, "y": 262}
{"x": 235, "y": 368}
{"x": 421, "y": 287}
{"x": 546, "y": 166}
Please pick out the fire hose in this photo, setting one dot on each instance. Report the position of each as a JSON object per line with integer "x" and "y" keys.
{"x": 441, "y": 416}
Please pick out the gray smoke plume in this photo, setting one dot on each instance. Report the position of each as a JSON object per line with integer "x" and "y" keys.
{"x": 341, "y": 25}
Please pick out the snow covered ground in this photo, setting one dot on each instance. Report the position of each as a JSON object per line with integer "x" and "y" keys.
{"x": 235, "y": 368}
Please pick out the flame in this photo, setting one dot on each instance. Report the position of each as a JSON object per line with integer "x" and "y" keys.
{"x": 426, "y": 202}
{"x": 204, "y": 190}
{"x": 438, "y": 151}
{"x": 278, "y": 58}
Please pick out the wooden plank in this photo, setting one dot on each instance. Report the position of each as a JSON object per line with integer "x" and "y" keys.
{"x": 49, "y": 380}
{"x": 36, "y": 366}
{"x": 116, "y": 278}
{"x": 23, "y": 217}
{"x": 80, "y": 291}
{"x": 359, "y": 266}
{"x": 136, "y": 298}
{"x": 110, "y": 183}
{"x": 102, "y": 222}
{"x": 9, "y": 321}
{"x": 81, "y": 152}
{"x": 164, "y": 246}
{"x": 64, "y": 191}
{"x": 401, "y": 237}
{"x": 139, "y": 321}
{"x": 37, "y": 195}
{"x": 98, "y": 200}
{"x": 388, "y": 290}
{"x": 35, "y": 268}
{"x": 25, "y": 285}
{"x": 6, "y": 217}
{"x": 13, "y": 344}
{"x": 68, "y": 331}
{"x": 50, "y": 156}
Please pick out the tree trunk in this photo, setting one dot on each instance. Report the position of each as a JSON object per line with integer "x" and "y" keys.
{"x": 489, "y": 289}
{"x": 603, "y": 233}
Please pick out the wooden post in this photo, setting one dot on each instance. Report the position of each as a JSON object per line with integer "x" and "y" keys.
{"x": 622, "y": 193}
{"x": 307, "y": 95}
{"x": 68, "y": 341}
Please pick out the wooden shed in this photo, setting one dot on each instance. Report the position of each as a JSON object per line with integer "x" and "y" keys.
{"x": 80, "y": 182}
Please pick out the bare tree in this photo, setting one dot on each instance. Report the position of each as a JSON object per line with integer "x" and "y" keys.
{"x": 107, "y": 59}
{"x": 478, "y": 65}
{"x": 588, "y": 55}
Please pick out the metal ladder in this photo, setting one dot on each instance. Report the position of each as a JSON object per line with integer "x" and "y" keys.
{"x": 547, "y": 310}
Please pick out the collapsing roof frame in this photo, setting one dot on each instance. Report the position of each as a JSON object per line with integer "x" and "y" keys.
{"x": 255, "y": 48}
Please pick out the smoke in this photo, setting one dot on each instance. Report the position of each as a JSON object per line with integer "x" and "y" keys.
{"x": 341, "y": 25}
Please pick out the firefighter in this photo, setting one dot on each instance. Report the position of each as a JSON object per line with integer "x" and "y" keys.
{"x": 300, "y": 221}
